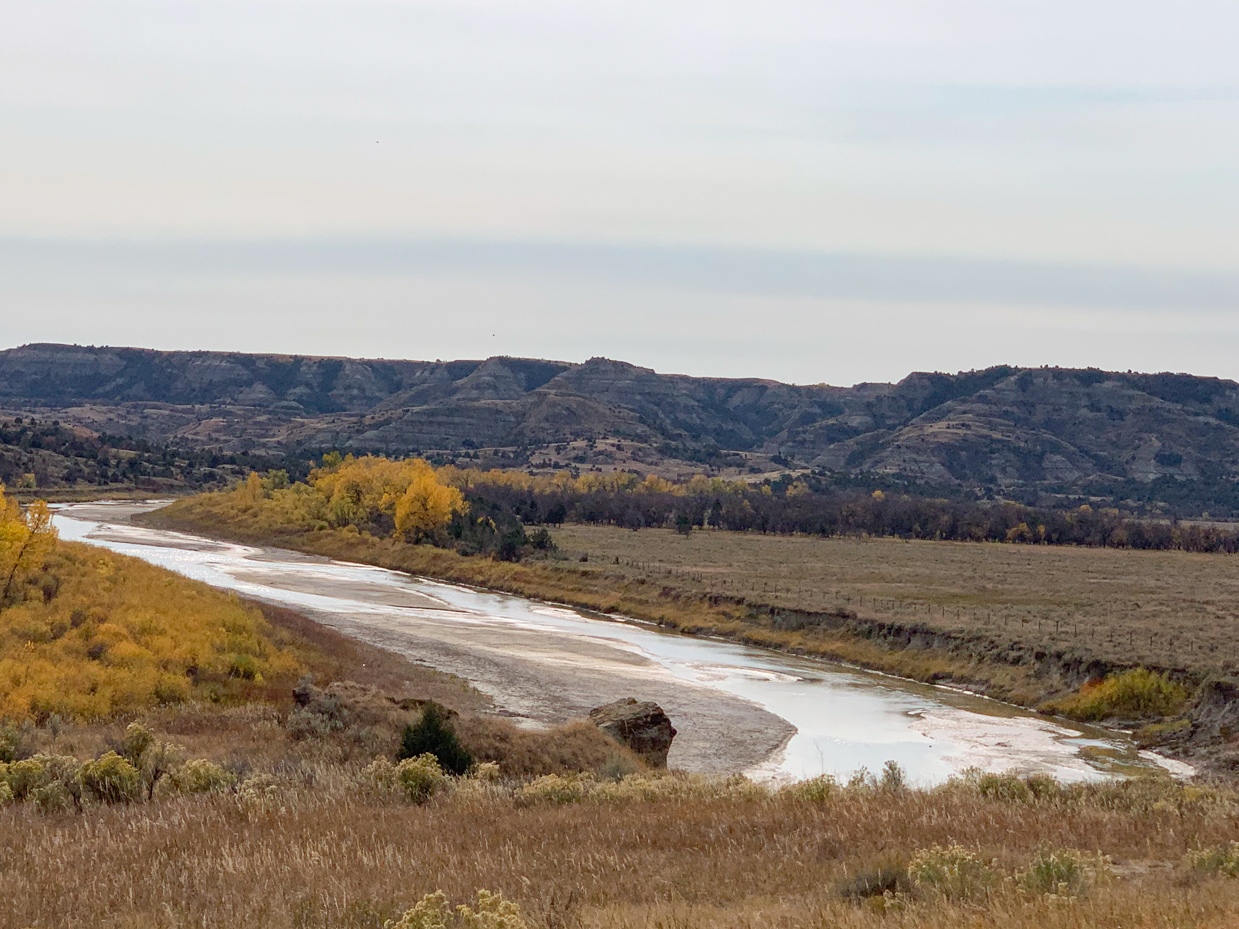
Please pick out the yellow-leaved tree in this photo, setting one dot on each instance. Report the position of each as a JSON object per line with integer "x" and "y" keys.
{"x": 25, "y": 539}
{"x": 374, "y": 491}
{"x": 427, "y": 504}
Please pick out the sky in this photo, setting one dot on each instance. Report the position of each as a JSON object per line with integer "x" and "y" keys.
{"x": 807, "y": 191}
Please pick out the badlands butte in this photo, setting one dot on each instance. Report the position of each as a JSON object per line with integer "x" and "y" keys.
{"x": 1046, "y": 436}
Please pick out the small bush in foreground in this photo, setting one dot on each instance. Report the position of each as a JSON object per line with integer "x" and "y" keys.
{"x": 433, "y": 912}
{"x": 952, "y": 872}
{"x": 552, "y": 790}
{"x": 417, "y": 778}
{"x": 1062, "y": 873}
{"x": 201, "y": 776}
{"x": 111, "y": 779}
{"x": 1221, "y": 859}
{"x": 434, "y": 735}
{"x": 815, "y": 790}
{"x": 50, "y": 781}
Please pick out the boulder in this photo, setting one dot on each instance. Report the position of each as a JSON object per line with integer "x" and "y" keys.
{"x": 642, "y": 726}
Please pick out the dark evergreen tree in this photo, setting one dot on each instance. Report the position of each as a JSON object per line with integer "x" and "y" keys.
{"x": 433, "y": 734}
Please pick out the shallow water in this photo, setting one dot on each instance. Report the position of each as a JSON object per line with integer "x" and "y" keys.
{"x": 736, "y": 707}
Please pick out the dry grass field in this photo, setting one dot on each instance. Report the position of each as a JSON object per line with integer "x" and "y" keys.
{"x": 1170, "y": 609}
{"x": 309, "y": 849}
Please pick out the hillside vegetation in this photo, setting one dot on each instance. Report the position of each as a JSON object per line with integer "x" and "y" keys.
{"x": 88, "y": 634}
{"x": 42, "y": 458}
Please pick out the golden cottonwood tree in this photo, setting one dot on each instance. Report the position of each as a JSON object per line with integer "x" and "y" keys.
{"x": 25, "y": 539}
{"x": 426, "y": 504}
{"x": 366, "y": 490}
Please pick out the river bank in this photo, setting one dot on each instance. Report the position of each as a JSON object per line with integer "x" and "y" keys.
{"x": 981, "y": 658}
{"x": 738, "y": 708}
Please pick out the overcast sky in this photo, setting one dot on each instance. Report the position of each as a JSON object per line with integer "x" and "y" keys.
{"x": 810, "y": 191}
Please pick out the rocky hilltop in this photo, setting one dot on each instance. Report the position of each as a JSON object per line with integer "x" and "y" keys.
{"x": 1053, "y": 430}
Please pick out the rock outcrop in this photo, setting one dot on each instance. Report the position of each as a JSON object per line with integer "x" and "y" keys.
{"x": 1054, "y": 428}
{"x": 641, "y": 726}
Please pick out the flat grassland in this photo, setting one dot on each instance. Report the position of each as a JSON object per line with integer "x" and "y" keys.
{"x": 1161, "y": 609}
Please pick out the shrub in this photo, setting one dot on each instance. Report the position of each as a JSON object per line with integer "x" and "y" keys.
{"x": 201, "y": 776}
{"x": 433, "y": 912}
{"x": 1136, "y": 693}
{"x": 11, "y": 744}
{"x": 110, "y": 779}
{"x": 815, "y": 790}
{"x": 552, "y": 790}
{"x": 262, "y": 791}
{"x": 420, "y": 778}
{"x": 303, "y": 724}
{"x": 1221, "y": 859}
{"x": 50, "y": 781}
{"x": 434, "y": 735}
{"x": 894, "y": 778}
{"x": 1062, "y": 873}
{"x": 380, "y": 775}
{"x": 953, "y": 872}
{"x": 6, "y": 792}
{"x": 135, "y": 743}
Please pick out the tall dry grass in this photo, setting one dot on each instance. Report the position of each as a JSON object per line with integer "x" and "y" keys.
{"x": 322, "y": 853}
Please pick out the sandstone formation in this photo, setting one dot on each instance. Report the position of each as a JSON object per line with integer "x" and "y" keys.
{"x": 1052, "y": 429}
{"x": 643, "y": 727}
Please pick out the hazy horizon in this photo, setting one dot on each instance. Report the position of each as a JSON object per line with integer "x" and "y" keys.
{"x": 803, "y": 192}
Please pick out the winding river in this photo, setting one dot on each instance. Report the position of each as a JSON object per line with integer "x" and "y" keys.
{"x": 736, "y": 708}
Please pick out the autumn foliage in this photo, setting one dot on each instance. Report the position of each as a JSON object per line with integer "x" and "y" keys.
{"x": 90, "y": 634}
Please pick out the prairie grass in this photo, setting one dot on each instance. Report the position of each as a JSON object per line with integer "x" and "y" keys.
{"x": 284, "y": 852}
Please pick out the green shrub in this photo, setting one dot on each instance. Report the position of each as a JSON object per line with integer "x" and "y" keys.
{"x": 815, "y": 790}
{"x": 1062, "y": 873}
{"x": 553, "y": 790}
{"x": 433, "y": 734}
{"x": 433, "y": 912}
{"x": 420, "y": 778}
{"x": 135, "y": 743}
{"x": 6, "y": 792}
{"x": 1008, "y": 787}
{"x": 894, "y": 778}
{"x": 50, "y": 781}
{"x": 111, "y": 779}
{"x": 953, "y": 872}
{"x": 11, "y": 743}
{"x": 201, "y": 776}
{"x": 1221, "y": 859}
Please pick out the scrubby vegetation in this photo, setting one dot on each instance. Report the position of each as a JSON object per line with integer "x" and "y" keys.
{"x": 1137, "y": 693}
{"x": 54, "y": 460}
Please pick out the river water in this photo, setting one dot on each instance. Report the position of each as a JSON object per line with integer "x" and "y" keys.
{"x": 736, "y": 708}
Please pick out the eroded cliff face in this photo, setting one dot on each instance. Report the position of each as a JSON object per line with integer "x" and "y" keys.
{"x": 1002, "y": 427}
